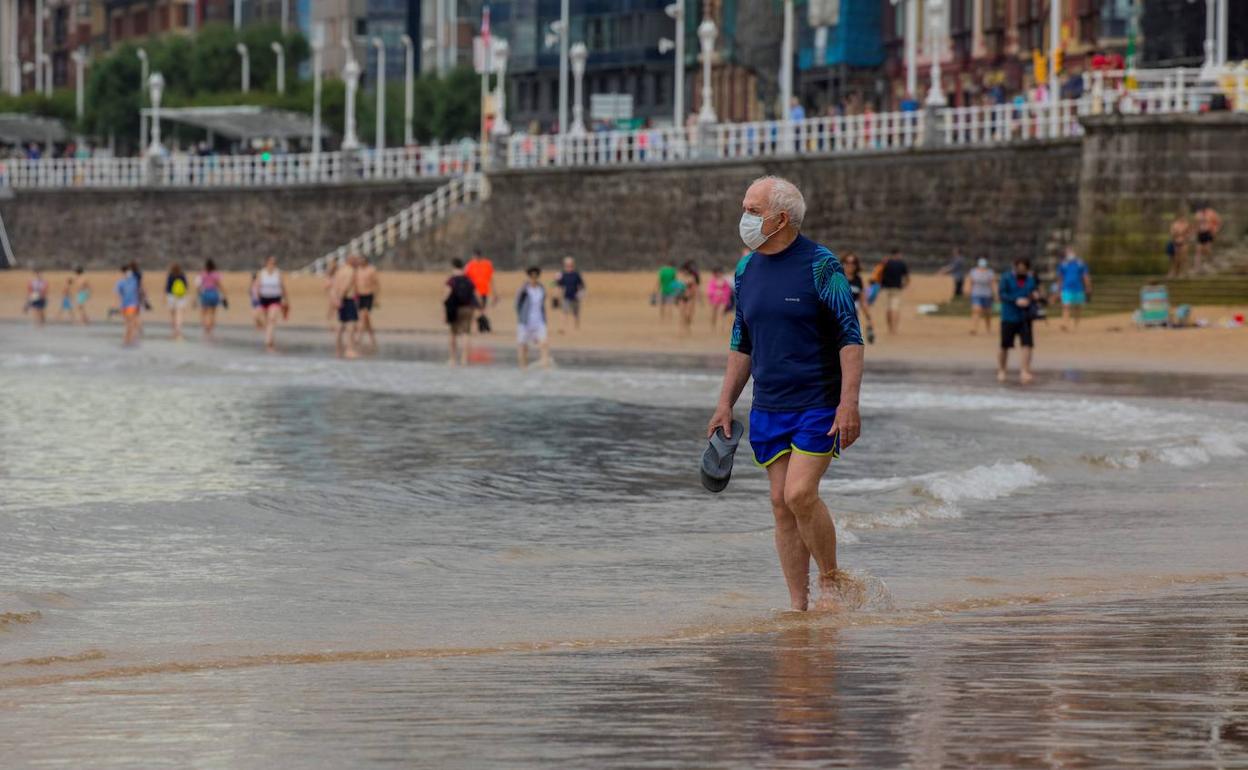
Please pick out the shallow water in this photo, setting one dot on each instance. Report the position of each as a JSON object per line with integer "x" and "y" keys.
{"x": 212, "y": 557}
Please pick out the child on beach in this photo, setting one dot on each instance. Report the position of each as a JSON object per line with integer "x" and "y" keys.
{"x": 66, "y": 311}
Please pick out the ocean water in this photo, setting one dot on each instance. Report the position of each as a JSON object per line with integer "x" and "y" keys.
{"x": 215, "y": 558}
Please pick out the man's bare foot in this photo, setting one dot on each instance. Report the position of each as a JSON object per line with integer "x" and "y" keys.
{"x": 1025, "y": 378}
{"x": 451, "y": 362}
{"x": 1000, "y": 375}
{"x": 350, "y": 354}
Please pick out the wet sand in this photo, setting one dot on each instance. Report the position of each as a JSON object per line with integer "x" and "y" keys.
{"x": 617, "y": 318}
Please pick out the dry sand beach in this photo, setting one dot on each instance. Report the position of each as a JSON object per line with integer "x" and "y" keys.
{"x": 617, "y": 316}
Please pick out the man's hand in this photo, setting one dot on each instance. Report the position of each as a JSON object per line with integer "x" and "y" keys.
{"x": 848, "y": 424}
{"x": 1022, "y": 302}
{"x": 721, "y": 419}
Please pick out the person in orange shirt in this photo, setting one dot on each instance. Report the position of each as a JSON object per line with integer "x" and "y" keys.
{"x": 481, "y": 272}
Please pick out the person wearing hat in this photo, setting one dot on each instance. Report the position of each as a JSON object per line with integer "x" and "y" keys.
{"x": 796, "y": 334}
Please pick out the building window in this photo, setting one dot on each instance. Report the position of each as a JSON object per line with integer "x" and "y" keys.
{"x": 1115, "y": 18}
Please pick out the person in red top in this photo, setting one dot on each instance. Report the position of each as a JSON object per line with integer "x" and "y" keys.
{"x": 481, "y": 272}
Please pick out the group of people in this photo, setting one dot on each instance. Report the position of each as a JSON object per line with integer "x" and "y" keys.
{"x": 353, "y": 288}
{"x": 1199, "y": 232}
{"x": 469, "y": 293}
{"x": 74, "y": 296}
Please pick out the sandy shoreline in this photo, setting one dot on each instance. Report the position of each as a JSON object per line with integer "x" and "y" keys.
{"x": 617, "y": 316}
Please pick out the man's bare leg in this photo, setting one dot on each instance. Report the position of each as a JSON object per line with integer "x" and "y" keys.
{"x": 453, "y": 353}
{"x": 1003, "y": 360}
{"x": 814, "y": 522}
{"x": 522, "y": 356}
{"x": 794, "y": 556}
{"x": 1024, "y": 373}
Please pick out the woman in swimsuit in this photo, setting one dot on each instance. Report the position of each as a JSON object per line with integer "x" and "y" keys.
{"x": 211, "y": 295}
{"x": 274, "y": 302}
{"x": 853, "y": 273}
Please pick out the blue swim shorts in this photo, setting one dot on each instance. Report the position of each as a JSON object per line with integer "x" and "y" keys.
{"x": 775, "y": 434}
{"x": 1074, "y": 298}
{"x": 984, "y": 303}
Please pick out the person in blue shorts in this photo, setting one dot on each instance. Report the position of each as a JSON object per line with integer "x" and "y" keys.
{"x": 796, "y": 333}
{"x": 1075, "y": 282}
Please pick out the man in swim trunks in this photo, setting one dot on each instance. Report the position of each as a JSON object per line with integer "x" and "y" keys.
{"x": 129, "y": 299}
{"x": 894, "y": 277}
{"x": 1176, "y": 247}
{"x": 796, "y": 333}
{"x": 367, "y": 286}
{"x": 1208, "y": 223}
{"x": 342, "y": 295}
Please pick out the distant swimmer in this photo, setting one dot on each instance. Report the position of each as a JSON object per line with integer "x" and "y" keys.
{"x": 796, "y": 333}
{"x": 367, "y": 288}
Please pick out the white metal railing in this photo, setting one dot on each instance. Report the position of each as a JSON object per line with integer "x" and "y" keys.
{"x": 819, "y": 136}
{"x": 268, "y": 170}
{"x": 602, "y": 148}
{"x": 48, "y": 173}
{"x": 423, "y": 213}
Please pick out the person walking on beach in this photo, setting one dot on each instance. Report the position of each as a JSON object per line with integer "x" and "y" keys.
{"x": 37, "y": 297}
{"x": 367, "y": 287}
{"x": 128, "y": 300}
{"x": 956, "y": 268}
{"x": 531, "y": 319}
{"x": 983, "y": 295}
{"x": 1075, "y": 283}
{"x": 689, "y": 297}
{"x": 177, "y": 295}
{"x": 66, "y": 310}
{"x": 211, "y": 296}
{"x": 718, "y": 296}
{"x": 1177, "y": 246}
{"x": 796, "y": 333}
{"x": 1208, "y": 225}
{"x": 460, "y": 302}
{"x": 343, "y": 295}
{"x": 853, "y": 273}
{"x": 481, "y": 272}
{"x": 666, "y": 291}
{"x": 894, "y": 278}
{"x": 274, "y": 300}
{"x": 1018, "y": 292}
{"x": 82, "y": 293}
{"x": 572, "y": 286}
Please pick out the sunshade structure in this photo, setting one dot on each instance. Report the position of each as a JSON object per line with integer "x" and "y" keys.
{"x": 243, "y": 123}
{"x": 16, "y": 128}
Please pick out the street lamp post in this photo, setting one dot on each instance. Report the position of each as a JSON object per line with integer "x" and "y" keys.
{"x": 351, "y": 75}
{"x": 706, "y": 38}
{"x": 786, "y": 63}
{"x": 409, "y": 98}
{"x": 676, "y": 11}
{"x": 318, "y": 45}
{"x": 242, "y": 52}
{"x": 379, "y": 142}
{"x": 155, "y": 87}
{"x": 80, "y": 59}
{"x": 142, "y": 54}
{"x": 281, "y": 65}
{"x": 1210, "y": 68}
{"x": 238, "y": 15}
{"x": 935, "y": 30}
{"x": 38, "y": 46}
{"x": 564, "y": 31}
{"x": 1223, "y": 32}
{"x": 1055, "y": 43}
{"x": 579, "y": 54}
{"x": 46, "y": 63}
{"x": 912, "y": 45}
{"x": 501, "y": 51}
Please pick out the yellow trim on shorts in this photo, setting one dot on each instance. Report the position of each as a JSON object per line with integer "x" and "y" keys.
{"x": 833, "y": 453}
{"x": 778, "y": 455}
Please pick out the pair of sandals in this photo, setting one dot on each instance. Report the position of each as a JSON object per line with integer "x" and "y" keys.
{"x": 716, "y": 469}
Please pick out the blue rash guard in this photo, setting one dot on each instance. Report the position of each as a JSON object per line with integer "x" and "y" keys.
{"x": 795, "y": 311}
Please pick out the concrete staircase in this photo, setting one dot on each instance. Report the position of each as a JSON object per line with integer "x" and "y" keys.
{"x": 420, "y": 216}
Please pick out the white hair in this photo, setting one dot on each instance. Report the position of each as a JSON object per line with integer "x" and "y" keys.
{"x": 784, "y": 196}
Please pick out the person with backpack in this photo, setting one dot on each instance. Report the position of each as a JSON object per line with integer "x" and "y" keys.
{"x": 460, "y": 303}
{"x": 177, "y": 295}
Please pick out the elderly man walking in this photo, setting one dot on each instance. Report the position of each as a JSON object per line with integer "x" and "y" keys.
{"x": 796, "y": 333}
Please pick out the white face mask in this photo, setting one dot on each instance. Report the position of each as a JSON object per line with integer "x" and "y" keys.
{"x": 751, "y": 230}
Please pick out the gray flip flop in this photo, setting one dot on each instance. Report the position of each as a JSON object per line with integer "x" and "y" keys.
{"x": 717, "y": 459}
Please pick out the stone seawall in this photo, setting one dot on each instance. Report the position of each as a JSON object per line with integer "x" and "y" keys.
{"x": 1140, "y": 172}
{"x": 1002, "y": 202}
{"x": 236, "y": 227}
